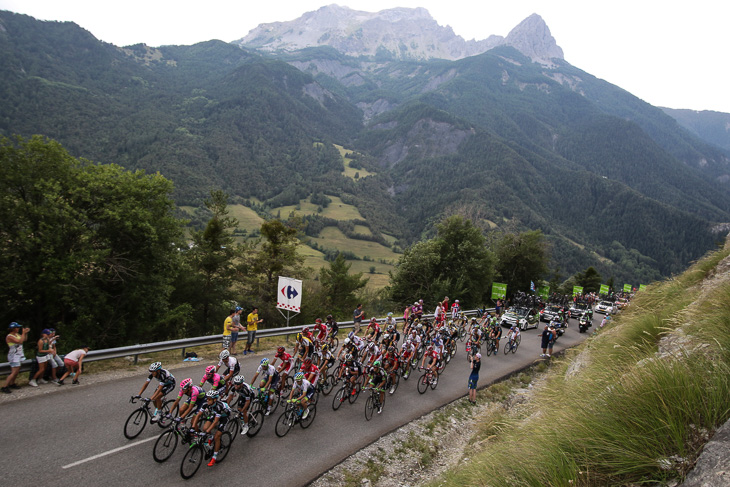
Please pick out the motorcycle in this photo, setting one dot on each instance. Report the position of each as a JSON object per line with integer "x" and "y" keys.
{"x": 584, "y": 323}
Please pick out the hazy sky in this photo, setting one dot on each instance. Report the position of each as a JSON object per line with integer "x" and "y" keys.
{"x": 667, "y": 52}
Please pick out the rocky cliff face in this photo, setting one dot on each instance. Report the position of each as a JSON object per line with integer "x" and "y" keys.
{"x": 400, "y": 33}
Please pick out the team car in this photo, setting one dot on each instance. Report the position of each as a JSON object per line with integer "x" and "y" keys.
{"x": 523, "y": 317}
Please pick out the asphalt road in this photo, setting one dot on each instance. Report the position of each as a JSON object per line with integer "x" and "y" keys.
{"x": 74, "y": 437}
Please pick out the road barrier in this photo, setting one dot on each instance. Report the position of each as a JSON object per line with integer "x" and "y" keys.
{"x": 184, "y": 343}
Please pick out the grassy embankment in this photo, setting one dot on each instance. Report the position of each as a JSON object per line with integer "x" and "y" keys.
{"x": 634, "y": 403}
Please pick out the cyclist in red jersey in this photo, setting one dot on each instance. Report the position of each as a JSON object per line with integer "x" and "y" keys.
{"x": 311, "y": 372}
{"x": 284, "y": 369}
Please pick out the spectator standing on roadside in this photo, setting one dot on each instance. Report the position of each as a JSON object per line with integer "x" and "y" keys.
{"x": 55, "y": 360}
{"x": 547, "y": 336}
{"x": 73, "y": 362}
{"x": 498, "y": 307}
{"x": 476, "y": 364}
{"x": 15, "y": 340}
{"x": 357, "y": 316}
{"x": 42, "y": 357}
{"x": 228, "y": 329}
{"x": 252, "y": 324}
{"x": 235, "y": 328}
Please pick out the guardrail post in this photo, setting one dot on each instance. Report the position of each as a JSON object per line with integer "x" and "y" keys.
{"x": 136, "y": 358}
{"x": 183, "y": 353}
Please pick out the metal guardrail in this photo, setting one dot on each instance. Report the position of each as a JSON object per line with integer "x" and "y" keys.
{"x": 184, "y": 343}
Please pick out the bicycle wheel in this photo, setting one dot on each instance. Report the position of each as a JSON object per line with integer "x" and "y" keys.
{"x": 462, "y": 333}
{"x": 288, "y": 384}
{"x": 233, "y": 426}
{"x": 275, "y": 402}
{"x": 164, "y": 420}
{"x": 353, "y": 397}
{"x": 335, "y": 343}
{"x": 422, "y": 383}
{"x": 518, "y": 339}
{"x": 508, "y": 346}
{"x": 226, "y": 440}
{"x": 165, "y": 446}
{"x": 369, "y": 408}
{"x": 191, "y": 461}
{"x": 284, "y": 423}
{"x": 329, "y": 384}
{"x": 255, "y": 421}
{"x": 306, "y": 423}
{"x": 340, "y": 397}
{"x": 394, "y": 385}
{"x": 490, "y": 348}
{"x": 135, "y": 423}
{"x": 447, "y": 356}
{"x": 434, "y": 380}
{"x": 454, "y": 348}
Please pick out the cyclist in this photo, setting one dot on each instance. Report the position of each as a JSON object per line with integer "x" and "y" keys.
{"x": 216, "y": 380}
{"x": 394, "y": 333}
{"x": 306, "y": 388}
{"x": 242, "y": 394}
{"x": 326, "y": 360}
{"x": 304, "y": 346}
{"x": 391, "y": 363}
{"x": 311, "y": 372}
{"x": 287, "y": 363}
{"x": 216, "y": 414}
{"x": 433, "y": 359}
{"x": 495, "y": 333}
{"x": 438, "y": 345}
{"x": 373, "y": 331}
{"x": 352, "y": 370}
{"x": 390, "y": 322}
{"x": 334, "y": 328}
{"x": 196, "y": 398}
{"x": 407, "y": 352}
{"x": 377, "y": 377}
{"x": 321, "y": 330}
{"x": 166, "y": 384}
{"x": 231, "y": 363}
{"x": 269, "y": 381}
{"x": 388, "y": 340}
{"x": 514, "y": 332}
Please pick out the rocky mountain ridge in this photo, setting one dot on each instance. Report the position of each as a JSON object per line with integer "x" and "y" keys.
{"x": 398, "y": 33}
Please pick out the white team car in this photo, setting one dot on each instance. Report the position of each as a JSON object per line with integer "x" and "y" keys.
{"x": 604, "y": 307}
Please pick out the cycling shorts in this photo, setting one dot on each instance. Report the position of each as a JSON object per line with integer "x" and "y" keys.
{"x": 167, "y": 387}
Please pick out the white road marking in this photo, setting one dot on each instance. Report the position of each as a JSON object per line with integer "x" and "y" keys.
{"x": 108, "y": 452}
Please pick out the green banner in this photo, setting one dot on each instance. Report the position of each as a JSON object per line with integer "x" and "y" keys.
{"x": 544, "y": 292}
{"x": 642, "y": 287}
{"x": 604, "y": 289}
{"x": 499, "y": 290}
{"x": 577, "y": 290}
{"x": 627, "y": 288}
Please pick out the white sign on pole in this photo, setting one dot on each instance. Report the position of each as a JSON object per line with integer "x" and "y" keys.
{"x": 289, "y": 294}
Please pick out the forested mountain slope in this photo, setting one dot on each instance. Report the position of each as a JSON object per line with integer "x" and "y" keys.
{"x": 511, "y": 143}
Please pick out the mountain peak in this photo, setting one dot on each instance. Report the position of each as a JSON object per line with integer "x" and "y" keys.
{"x": 533, "y": 39}
{"x": 400, "y": 33}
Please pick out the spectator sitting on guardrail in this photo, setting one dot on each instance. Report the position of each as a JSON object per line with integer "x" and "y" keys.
{"x": 15, "y": 340}
{"x": 73, "y": 362}
{"x": 43, "y": 356}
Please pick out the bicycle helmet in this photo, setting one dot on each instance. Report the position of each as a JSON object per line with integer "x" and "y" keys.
{"x": 376, "y": 363}
{"x": 299, "y": 337}
{"x": 329, "y": 317}
{"x": 391, "y": 327}
{"x": 185, "y": 383}
{"x": 390, "y": 314}
{"x": 318, "y": 320}
{"x": 325, "y": 347}
{"x": 305, "y": 330}
{"x": 373, "y": 320}
{"x": 155, "y": 366}
{"x": 209, "y": 369}
{"x": 280, "y": 350}
{"x": 307, "y": 361}
{"x": 212, "y": 395}
{"x": 224, "y": 355}
{"x": 386, "y": 336}
{"x": 264, "y": 362}
{"x": 239, "y": 379}
{"x": 347, "y": 341}
{"x": 392, "y": 349}
{"x": 348, "y": 357}
{"x": 15, "y": 325}
{"x": 430, "y": 348}
{"x": 299, "y": 377}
